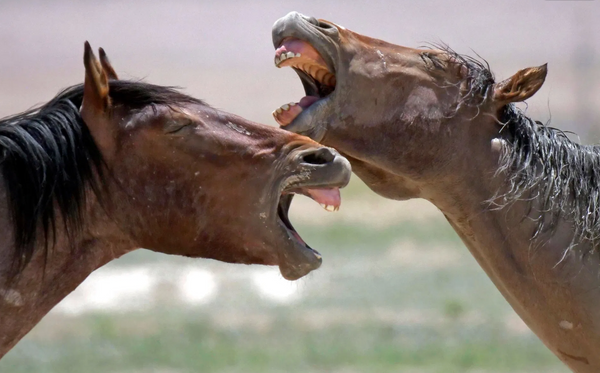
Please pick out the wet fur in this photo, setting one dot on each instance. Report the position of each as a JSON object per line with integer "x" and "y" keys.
{"x": 541, "y": 163}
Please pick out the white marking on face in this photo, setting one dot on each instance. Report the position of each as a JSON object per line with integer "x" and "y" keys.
{"x": 237, "y": 128}
{"x": 12, "y": 297}
{"x": 381, "y": 55}
{"x": 566, "y": 325}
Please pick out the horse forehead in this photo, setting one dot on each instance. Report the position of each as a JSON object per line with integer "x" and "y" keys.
{"x": 156, "y": 115}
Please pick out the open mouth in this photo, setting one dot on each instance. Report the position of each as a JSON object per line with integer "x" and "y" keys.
{"x": 329, "y": 199}
{"x": 317, "y": 78}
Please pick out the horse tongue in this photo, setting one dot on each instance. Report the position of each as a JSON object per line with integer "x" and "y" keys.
{"x": 329, "y": 199}
{"x": 287, "y": 113}
{"x": 306, "y": 101}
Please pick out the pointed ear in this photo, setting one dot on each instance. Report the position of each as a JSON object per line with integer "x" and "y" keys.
{"x": 96, "y": 106}
{"x": 95, "y": 86}
{"x": 521, "y": 86}
{"x": 105, "y": 62}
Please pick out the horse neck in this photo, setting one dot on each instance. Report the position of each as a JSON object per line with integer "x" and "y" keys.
{"x": 43, "y": 283}
{"x": 549, "y": 286}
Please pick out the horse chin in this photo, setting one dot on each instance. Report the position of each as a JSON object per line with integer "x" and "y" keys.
{"x": 318, "y": 173}
{"x": 299, "y": 259}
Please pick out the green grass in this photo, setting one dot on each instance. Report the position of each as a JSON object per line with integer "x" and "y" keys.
{"x": 350, "y": 238}
{"x": 359, "y": 281}
{"x": 189, "y": 344}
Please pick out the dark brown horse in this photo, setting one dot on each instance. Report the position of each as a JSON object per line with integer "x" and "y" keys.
{"x": 433, "y": 124}
{"x": 110, "y": 166}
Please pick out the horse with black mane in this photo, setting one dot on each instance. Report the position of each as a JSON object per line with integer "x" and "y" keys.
{"x": 109, "y": 166}
{"x": 434, "y": 124}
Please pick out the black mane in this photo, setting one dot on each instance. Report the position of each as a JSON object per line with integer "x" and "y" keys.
{"x": 563, "y": 177}
{"x": 50, "y": 162}
{"x": 541, "y": 163}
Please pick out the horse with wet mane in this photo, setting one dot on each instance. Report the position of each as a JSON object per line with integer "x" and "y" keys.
{"x": 434, "y": 124}
{"x": 109, "y": 166}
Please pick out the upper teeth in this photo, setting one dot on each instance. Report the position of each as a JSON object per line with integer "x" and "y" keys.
{"x": 284, "y": 56}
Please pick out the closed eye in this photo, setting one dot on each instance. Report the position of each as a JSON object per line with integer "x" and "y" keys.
{"x": 174, "y": 127}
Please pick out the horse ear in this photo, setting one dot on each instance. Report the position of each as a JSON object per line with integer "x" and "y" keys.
{"x": 106, "y": 65}
{"x": 96, "y": 106}
{"x": 95, "y": 87}
{"x": 521, "y": 86}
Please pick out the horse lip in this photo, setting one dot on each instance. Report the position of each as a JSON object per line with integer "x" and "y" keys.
{"x": 297, "y": 261}
{"x": 310, "y": 121}
{"x": 307, "y": 123}
{"x": 297, "y": 25}
{"x": 334, "y": 173}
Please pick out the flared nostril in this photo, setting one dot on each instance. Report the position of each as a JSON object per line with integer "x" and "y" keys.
{"x": 324, "y": 25}
{"x": 318, "y": 156}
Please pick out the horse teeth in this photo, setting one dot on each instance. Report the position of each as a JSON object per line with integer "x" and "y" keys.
{"x": 285, "y": 56}
{"x": 280, "y": 59}
{"x": 329, "y": 207}
{"x": 279, "y": 110}
{"x": 285, "y": 107}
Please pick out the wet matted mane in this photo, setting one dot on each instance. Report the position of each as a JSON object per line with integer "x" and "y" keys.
{"x": 49, "y": 160}
{"x": 540, "y": 161}
{"x": 430, "y": 123}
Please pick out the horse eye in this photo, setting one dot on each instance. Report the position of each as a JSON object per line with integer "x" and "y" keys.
{"x": 176, "y": 126}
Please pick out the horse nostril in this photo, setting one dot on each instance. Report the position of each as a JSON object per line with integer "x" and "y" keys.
{"x": 318, "y": 156}
{"x": 324, "y": 25}
{"x": 316, "y": 22}
{"x": 312, "y": 20}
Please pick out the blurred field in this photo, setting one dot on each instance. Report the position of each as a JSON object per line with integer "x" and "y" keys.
{"x": 397, "y": 290}
{"x": 394, "y": 294}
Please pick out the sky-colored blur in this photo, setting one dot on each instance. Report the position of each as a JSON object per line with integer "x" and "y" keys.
{"x": 221, "y": 51}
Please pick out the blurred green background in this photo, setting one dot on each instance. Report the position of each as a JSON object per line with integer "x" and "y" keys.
{"x": 397, "y": 292}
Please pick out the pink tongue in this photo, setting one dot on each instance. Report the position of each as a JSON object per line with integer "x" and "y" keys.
{"x": 280, "y": 50}
{"x": 330, "y": 197}
{"x": 306, "y": 101}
